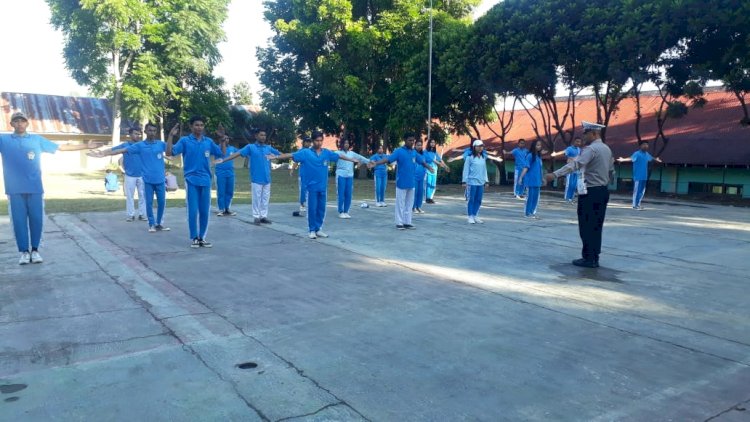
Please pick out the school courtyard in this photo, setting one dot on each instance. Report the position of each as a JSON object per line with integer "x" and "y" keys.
{"x": 448, "y": 322}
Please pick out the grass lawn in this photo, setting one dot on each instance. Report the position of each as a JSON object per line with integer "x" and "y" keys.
{"x": 84, "y": 192}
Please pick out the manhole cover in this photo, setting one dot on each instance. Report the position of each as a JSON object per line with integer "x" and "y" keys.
{"x": 247, "y": 365}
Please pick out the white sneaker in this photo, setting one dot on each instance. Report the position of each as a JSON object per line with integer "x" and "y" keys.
{"x": 321, "y": 234}
{"x": 301, "y": 208}
{"x": 220, "y": 214}
{"x": 36, "y": 258}
{"x": 342, "y": 215}
{"x": 24, "y": 259}
{"x": 312, "y": 235}
{"x": 471, "y": 220}
{"x": 151, "y": 229}
{"x": 478, "y": 221}
{"x": 347, "y": 215}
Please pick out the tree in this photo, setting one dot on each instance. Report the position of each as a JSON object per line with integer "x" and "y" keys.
{"x": 138, "y": 51}
{"x": 719, "y": 45}
{"x": 242, "y": 94}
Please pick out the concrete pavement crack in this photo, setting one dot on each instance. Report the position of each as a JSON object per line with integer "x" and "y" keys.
{"x": 734, "y": 407}
{"x": 69, "y": 316}
{"x": 309, "y": 414}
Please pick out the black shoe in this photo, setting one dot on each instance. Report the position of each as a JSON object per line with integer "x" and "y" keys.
{"x": 264, "y": 220}
{"x": 585, "y": 263}
{"x": 430, "y": 201}
{"x": 142, "y": 218}
{"x": 204, "y": 244}
{"x": 401, "y": 227}
{"x": 409, "y": 226}
{"x": 229, "y": 213}
{"x": 195, "y": 244}
{"x": 256, "y": 221}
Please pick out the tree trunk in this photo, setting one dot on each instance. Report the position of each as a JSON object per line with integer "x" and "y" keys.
{"x": 116, "y": 115}
{"x": 741, "y": 97}
{"x": 638, "y": 115}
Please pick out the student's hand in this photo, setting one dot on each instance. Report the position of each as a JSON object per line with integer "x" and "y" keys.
{"x": 97, "y": 144}
{"x": 447, "y": 169}
{"x": 486, "y": 185}
{"x": 431, "y": 170}
{"x": 520, "y": 181}
{"x": 94, "y": 154}
{"x": 370, "y": 165}
{"x": 547, "y": 177}
{"x": 620, "y": 160}
{"x": 218, "y": 161}
{"x": 271, "y": 157}
{"x": 658, "y": 160}
{"x": 175, "y": 130}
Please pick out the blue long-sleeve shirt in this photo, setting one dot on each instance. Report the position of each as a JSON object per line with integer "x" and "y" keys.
{"x": 346, "y": 168}
{"x": 475, "y": 171}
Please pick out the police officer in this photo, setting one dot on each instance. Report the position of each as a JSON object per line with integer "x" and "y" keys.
{"x": 597, "y": 167}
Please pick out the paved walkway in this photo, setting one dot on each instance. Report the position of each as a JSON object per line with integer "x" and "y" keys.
{"x": 444, "y": 323}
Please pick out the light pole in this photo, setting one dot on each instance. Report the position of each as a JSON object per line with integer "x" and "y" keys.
{"x": 429, "y": 82}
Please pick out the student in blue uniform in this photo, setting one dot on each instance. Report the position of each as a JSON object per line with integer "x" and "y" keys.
{"x": 519, "y": 154}
{"x": 196, "y": 150}
{"x": 465, "y": 154}
{"x": 640, "y": 160}
{"x": 133, "y": 170}
{"x": 406, "y": 159}
{"x": 380, "y": 177}
{"x": 22, "y": 172}
{"x": 345, "y": 177}
{"x": 306, "y": 143}
{"x": 225, "y": 180}
{"x": 475, "y": 179}
{"x": 433, "y": 160}
{"x": 531, "y": 178}
{"x": 420, "y": 179}
{"x": 571, "y": 180}
{"x": 314, "y": 166}
{"x": 260, "y": 174}
{"x": 151, "y": 155}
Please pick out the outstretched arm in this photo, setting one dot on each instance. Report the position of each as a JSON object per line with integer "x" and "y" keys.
{"x": 172, "y": 133}
{"x": 79, "y": 147}
{"x": 624, "y": 160}
{"x": 493, "y": 158}
{"x": 230, "y": 158}
{"x": 456, "y": 158}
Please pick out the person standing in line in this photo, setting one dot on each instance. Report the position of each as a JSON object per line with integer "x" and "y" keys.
{"x": 133, "y": 170}
{"x": 597, "y": 167}
{"x": 640, "y": 160}
{"x": 434, "y": 160}
{"x": 464, "y": 155}
{"x": 345, "y": 177}
{"x": 306, "y": 143}
{"x": 519, "y": 154}
{"x": 22, "y": 173}
{"x": 475, "y": 179}
{"x": 225, "y": 180}
{"x": 380, "y": 177}
{"x": 531, "y": 178}
{"x": 260, "y": 174}
{"x": 420, "y": 179}
{"x": 151, "y": 155}
{"x": 406, "y": 159}
{"x": 196, "y": 150}
{"x": 314, "y": 164}
{"x": 571, "y": 180}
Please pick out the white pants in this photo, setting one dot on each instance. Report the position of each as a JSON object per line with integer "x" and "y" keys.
{"x": 404, "y": 203}
{"x": 261, "y": 197}
{"x": 131, "y": 183}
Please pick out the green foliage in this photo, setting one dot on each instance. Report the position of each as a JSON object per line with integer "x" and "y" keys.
{"x": 140, "y": 52}
{"x": 242, "y": 94}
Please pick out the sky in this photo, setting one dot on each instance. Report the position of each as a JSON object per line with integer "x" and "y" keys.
{"x": 41, "y": 68}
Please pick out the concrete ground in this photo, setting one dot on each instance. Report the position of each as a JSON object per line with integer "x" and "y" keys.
{"x": 447, "y": 322}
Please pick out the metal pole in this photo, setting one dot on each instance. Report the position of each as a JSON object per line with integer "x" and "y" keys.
{"x": 429, "y": 82}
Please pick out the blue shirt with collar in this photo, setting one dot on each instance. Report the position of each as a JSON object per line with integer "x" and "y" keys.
{"x": 406, "y": 161}
{"x": 314, "y": 168}
{"x": 533, "y": 176}
{"x": 196, "y": 158}
{"x": 572, "y": 151}
{"x": 226, "y": 168}
{"x": 432, "y": 158}
{"x": 260, "y": 166}
{"x": 519, "y": 155}
{"x": 380, "y": 169}
{"x": 130, "y": 162}
{"x": 151, "y": 156}
{"x": 22, "y": 168}
{"x": 640, "y": 165}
